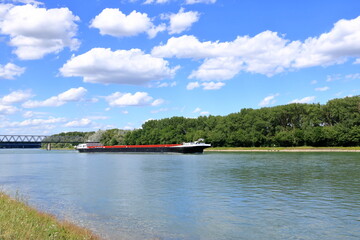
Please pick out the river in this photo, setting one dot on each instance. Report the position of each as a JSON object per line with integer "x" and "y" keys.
{"x": 210, "y": 196}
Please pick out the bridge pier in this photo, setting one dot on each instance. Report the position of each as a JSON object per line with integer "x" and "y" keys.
{"x": 48, "y": 147}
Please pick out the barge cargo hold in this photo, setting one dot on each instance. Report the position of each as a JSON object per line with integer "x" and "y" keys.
{"x": 192, "y": 147}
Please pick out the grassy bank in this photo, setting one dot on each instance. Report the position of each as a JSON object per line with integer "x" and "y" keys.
{"x": 19, "y": 221}
{"x": 283, "y": 149}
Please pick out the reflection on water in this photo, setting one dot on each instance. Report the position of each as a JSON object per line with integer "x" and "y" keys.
{"x": 208, "y": 196}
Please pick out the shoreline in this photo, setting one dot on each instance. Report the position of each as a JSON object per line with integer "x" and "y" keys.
{"x": 18, "y": 220}
{"x": 300, "y": 149}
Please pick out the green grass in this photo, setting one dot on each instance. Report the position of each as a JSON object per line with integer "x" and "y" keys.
{"x": 19, "y": 221}
{"x": 283, "y": 148}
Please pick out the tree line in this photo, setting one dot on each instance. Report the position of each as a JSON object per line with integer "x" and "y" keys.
{"x": 336, "y": 123}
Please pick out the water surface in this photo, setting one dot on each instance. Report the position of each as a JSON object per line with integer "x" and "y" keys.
{"x": 207, "y": 196}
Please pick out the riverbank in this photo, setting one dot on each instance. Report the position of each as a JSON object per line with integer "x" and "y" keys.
{"x": 19, "y": 221}
{"x": 283, "y": 149}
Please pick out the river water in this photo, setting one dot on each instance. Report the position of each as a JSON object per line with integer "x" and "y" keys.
{"x": 207, "y": 196}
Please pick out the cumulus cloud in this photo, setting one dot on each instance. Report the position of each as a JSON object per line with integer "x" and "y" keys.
{"x": 156, "y": 1}
{"x": 133, "y": 67}
{"x": 84, "y": 122}
{"x": 113, "y": 22}
{"x": 10, "y": 71}
{"x": 192, "y": 85}
{"x": 71, "y": 95}
{"x": 266, "y": 53}
{"x": 205, "y": 85}
{"x": 200, "y": 112}
{"x": 16, "y": 97}
{"x": 181, "y": 21}
{"x": 353, "y": 76}
{"x": 165, "y": 84}
{"x": 157, "y": 102}
{"x": 322, "y": 89}
{"x": 31, "y": 114}
{"x": 7, "y": 109}
{"x": 199, "y": 1}
{"x": 197, "y": 110}
{"x": 35, "y": 31}
{"x": 35, "y": 122}
{"x": 203, "y": 113}
{"x": 212, "y": 85}
{"x": 269, "y": 100}
{"x": 309, "y": 99}
{"x": 332, "y": 78}
{"x": 137, "y": 99}
{"x": 221, "y": 68}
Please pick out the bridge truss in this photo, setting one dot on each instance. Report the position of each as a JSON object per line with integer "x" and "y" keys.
{"x": 40, "y": 139}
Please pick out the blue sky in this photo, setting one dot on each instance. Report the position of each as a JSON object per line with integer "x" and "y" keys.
{"x": 66, "y": 67}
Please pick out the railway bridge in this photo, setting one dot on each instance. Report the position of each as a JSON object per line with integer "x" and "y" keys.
{"x": 35, "y": 141}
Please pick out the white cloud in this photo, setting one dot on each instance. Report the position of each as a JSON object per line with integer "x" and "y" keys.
{"x": 128, "y": 128}
{"x": 31, "y": 114}
{"x": 192, "y": 85}
{"x": 10, "y": 71}
{"x": 100, "y": 65}
{"x": 322, "y": 89}
{"x": 16, "y": 97}
{"x": 222, "y": 68}
{"x": 156, "y": 1}
{"x": 269, "y": 100}
{"x": 332, "y": 78}
{"x": 266, "y": 53}
{"x": 165, "y": 84}
{"x": 157, "y": 102}
{"x": 71, "y": 95}
{"x": 205, "y": 85}
{"x": 357, "y": 61}
{"x": 309, "y": 99}
{"x": 212, "y": 85}
{"x": 136, "y": 99}
{"x": 199, "y": 1}
{"x": 204, "y": 113}
{"x": 29, "y": 2}
{"x": 154, "y": 30}
{"x": 200, "y": 112}
{"x": 36, "y": 31}
{"x": 197, "y": 110}
{"x": 113, "y": 22}
{"x": 313, "y": 82}
{"x": 35, "y": 122}
{"x": 84, "y": 122}
{"x": 353, "y": 76}
{"x": 125, "y": 112}
{"x": 181, "y": 21}
{"x": 7, "y": 110}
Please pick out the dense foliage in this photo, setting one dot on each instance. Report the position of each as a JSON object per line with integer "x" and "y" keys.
{"x": 337, "y": 123}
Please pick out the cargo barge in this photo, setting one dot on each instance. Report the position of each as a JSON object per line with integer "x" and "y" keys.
{"x": 192, "y": 147}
